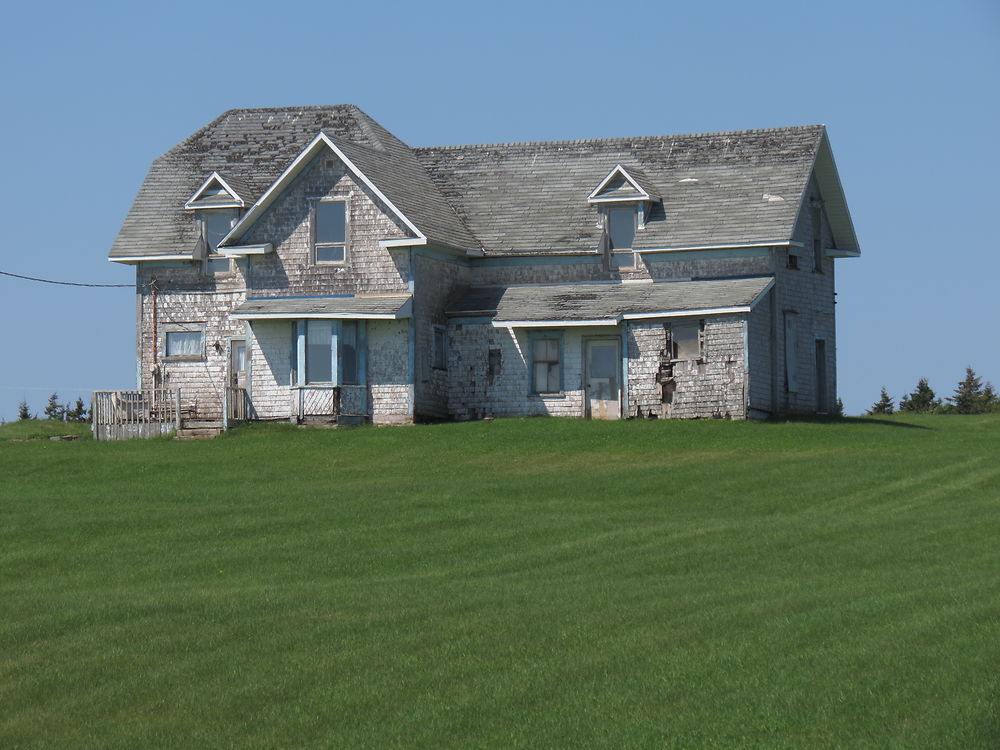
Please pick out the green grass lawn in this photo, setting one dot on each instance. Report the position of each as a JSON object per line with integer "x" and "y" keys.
{"x": 511, "y": 584}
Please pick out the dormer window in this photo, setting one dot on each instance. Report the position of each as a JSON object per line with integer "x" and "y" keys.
{"x": 624, "y": 198}
{"x": 215, "y": 225}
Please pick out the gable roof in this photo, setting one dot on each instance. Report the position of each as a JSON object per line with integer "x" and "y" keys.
{"x": 623, "y": 184}
{"x": 227, "y": 198}
{"x": 716, "y": 189}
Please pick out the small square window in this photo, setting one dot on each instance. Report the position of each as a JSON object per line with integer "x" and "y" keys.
{"x": 330, "y": 231}
{"x": 793, "y": 262}
{"x": 218, "y": 264}
{"x": 183, "y": 344}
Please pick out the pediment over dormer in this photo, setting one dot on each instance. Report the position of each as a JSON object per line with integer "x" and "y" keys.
{"x": 623, "y": 185}
{"x": 215, "y": 192}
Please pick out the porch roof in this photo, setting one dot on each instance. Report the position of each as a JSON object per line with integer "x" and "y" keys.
{"x": 388, "y": 307}
{"x": 608, "y": 303}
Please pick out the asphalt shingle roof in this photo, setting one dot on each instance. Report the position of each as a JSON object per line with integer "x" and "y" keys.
{"x": 716, "y": 189}
{"x": 606, "y": 301}
{"x": 527, "y": 197}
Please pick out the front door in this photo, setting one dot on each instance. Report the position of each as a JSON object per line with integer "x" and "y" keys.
{"x": 238, "y": 363}
{"x": 603, "y": 379}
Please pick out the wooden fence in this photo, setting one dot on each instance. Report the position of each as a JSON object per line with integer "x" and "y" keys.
{"x": 122, "y": 415}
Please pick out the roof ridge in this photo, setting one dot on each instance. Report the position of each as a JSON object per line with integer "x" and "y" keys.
{"x": 581, "y": 141}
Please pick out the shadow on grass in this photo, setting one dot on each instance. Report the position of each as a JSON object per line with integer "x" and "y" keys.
{"x": 846, "y": 420}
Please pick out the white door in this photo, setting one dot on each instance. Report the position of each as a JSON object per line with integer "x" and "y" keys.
{"x": 238, "y": 363}
{"x": 603, "y": 379}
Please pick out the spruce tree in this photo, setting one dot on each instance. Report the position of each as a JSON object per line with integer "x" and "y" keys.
{"x": 921, "y": 400}
{"x": 22, "y": 410}
{"x": 970, "y": 397}
{"x": 78, "y": 413}
{"x": 53, "y": 409}
{"x": 883, "y": 405}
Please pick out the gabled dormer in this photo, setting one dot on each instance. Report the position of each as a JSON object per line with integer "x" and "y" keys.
{"x": 217, "y": 207}
{"x": 624, "y": 198}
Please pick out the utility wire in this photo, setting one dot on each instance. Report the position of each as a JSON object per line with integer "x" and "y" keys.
{"x": 65, "y": 283}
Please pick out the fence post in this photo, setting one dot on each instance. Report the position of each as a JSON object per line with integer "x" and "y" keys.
{"x": 177, "y": 408}
{"x": 225, "y": 407}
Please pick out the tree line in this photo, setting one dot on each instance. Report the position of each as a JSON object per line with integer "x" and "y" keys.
{"x": 971, "y": 396}
{"x": 56, "y": 411}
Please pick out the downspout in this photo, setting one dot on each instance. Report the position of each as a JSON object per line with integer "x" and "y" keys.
{"x": 155, "y": 369}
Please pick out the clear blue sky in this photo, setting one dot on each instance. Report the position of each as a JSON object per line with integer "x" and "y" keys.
{"x": 92, "y": 93}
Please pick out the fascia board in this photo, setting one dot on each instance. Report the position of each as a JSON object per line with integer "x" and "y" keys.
{"x": 242, "y": 251}
{"x": 555, "y": 323}
{"x": 320, "y": 316}
{"x": 133, "y": 259}
{"x": 736, "y": 246}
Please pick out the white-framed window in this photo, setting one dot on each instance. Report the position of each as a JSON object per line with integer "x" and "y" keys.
{"x": 621, "y": 223}
{"x": 439, "y": 348}
{"x": 546, "y": 362}
{"x": 181, "y": 344}
{"x": 329, "y": 227}
{"x": 687, "y": 340}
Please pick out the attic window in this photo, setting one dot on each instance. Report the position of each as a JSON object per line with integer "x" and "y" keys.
{"x": 330, "y": 231}
{"x": 621, "y": 227}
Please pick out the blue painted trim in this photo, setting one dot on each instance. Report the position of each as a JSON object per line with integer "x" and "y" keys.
{"x": 362, "y": 352}
{"x": 624, "y": 355}
{"x": 336, "y": 376}
{"x": 300, "y": 350}
{"x": 433, "y": 253}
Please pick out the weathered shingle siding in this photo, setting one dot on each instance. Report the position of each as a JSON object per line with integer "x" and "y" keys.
{"x": 390, "y": 392}
{"x": 270, "y": 360}
{"x": 434, "y": 282}
{"x": 760, "y": 351}
{"x": 290, "y": 269}
{"x": 710, "y": 388}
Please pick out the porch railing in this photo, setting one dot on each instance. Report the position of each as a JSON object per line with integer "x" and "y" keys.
{"x": 121, "y": 415}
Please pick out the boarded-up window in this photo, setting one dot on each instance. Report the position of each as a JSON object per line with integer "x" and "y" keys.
{"x": 319, "y": 358}
{"x": 439, "y": 353}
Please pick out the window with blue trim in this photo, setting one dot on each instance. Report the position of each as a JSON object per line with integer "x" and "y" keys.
{"x": 320, "y": 363}
{"x": 546, "y": 363}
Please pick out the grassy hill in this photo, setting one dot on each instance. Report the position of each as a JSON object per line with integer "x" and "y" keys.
{"x": 509, "y": 584}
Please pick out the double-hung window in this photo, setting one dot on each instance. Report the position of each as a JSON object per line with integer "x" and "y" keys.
{"x": 546, "y": 363}
{"x": 330, "y": 231}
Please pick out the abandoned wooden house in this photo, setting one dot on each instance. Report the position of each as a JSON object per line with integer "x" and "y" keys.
{"x": 304, "y": 263}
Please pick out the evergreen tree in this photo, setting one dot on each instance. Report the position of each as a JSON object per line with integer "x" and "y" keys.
{"x": 77, "y": 413}
{"x": 838, "y": 409}
{"x": 22, "y": 410}
{"x": 970, "y": 396}
{"x": 921, "y": 400}
{"x": 54, "y": 410}
{"x": 883, "y": 405}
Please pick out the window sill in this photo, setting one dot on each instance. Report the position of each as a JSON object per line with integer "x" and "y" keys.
{"x": 184, "y": 358}
{"x": 553, "y": 395}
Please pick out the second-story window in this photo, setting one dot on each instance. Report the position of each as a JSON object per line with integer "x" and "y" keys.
{"x": 215, "y": 225}
{"x": 621, "y": 235}
{"x": 330, "y": 231}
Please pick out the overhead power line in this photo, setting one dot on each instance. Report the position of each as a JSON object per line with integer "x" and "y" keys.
{"x": 63, "y": 283}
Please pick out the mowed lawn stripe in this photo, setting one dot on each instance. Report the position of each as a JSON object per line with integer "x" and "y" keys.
{"x": 520, "y": 583}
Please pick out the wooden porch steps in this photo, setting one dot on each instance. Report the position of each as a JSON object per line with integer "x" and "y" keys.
{"x": 199, "y": 430}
